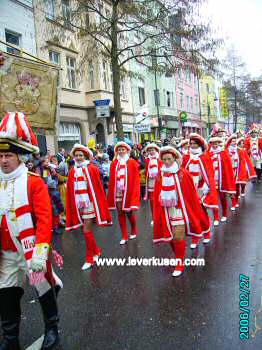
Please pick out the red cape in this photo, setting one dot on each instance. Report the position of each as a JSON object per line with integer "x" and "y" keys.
{"x": 131, "y": 200}
{"x": 251, "y": 173}
{"x": 159, "y": 164}
{"x": 247, "y": 145}
{"x": 241, "y": 176}
{"x": 40, "y": 208}
{"x": 211, "y": 199}
{"x": 226, "y": 174}
{"x": 196, "y": 219}
{"x": 97, "y": 196}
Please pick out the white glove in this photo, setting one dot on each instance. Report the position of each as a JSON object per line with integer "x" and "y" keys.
{"x": 39, "y": 257}
{"x": 205, "y": 189}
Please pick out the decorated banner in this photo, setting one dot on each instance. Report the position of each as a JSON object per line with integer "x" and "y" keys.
{"x": 224, "y": 102}
{"x": 29, "y": 87}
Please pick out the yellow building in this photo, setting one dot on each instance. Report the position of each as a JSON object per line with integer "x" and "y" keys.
{"x": 209, "y": 97}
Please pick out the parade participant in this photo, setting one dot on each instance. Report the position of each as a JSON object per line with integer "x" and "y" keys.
{"x": 177, "y": 210}
{"x": 153, "y": 165}
{"x": 86, "y": 201}
{"x": 253, "y": 145}
{"x": 199, "y": 165}
{"x": 124, "y": 189}
{"x": 25, "y": 235}
{"x": 218, "y": 131}
{"x": 183, "y": 146}
{"x": 251, "y": 174}
{"x": 239, "y": 167}
{"x": 224, "y": 176}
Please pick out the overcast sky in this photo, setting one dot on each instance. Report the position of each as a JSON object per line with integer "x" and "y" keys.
{"x": 240, "y": 23}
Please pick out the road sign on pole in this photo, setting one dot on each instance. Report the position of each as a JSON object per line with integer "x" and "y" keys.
{"x": 102, "y": 108}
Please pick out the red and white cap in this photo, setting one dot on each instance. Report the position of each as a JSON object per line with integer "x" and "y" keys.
{"x": 199, "y": 139}
{"x": 183, "y": 142}
{"x": 152, "y": 145}
{"x": 122, "y": 144}
{"x": 215, "y": 139}
{"x": 240, "y": 140}
{"x": 16, "y": 134}
{"x": 78, "y": 147}
{"x": 170, "y": 149}
{"x": 229, "y": 140}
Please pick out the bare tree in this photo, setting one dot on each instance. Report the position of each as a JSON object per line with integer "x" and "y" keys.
{"x": 236, "y": 78}
{"x": 140, "y": 30}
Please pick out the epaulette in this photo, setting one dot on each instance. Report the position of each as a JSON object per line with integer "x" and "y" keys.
{"x": 32, "y": 174}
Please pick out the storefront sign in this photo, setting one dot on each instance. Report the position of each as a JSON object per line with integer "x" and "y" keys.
{"x": 142, "y": 128}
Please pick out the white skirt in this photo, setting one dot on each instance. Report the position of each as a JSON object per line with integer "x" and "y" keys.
{"x": 88, "y": 213}
{"x": 175, "y": 216}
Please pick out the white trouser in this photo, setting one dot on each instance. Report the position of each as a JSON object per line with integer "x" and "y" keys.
{"x": 13, "y": 272}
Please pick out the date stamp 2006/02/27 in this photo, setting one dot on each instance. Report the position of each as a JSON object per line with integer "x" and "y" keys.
{"x": 244, "y": 314}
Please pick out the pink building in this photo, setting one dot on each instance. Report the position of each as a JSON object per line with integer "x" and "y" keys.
{"x": 187, "y": 97}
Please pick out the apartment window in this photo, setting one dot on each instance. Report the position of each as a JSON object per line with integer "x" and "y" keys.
{"x": 208, "y": 110}
{"x": 91, "y": 77}
{"x": 157, "y": 97}
{"x": 187, "y": 103}
{"x": 111, "y": 77}
{"x": 195, "y": 81}
{"x": 191, "y": 103}
{"x": 141, "y": 94}
{"x": 189, "y": 76}
{"x": 108, "y": 14}
{"x": 196, "y": 103}
{"x": 54, "y": 57}
{"x": 14, "y": 39}
{"x": 66, "y": 12}
{"x": 181, "y": 100}
{"x": 180, "y": 73}
{"x": 50, "y": 9}
{"x": 87, "y": 20}
{"x": 123, "y": 89}
{"x": 100, "y": 13}
{"x": 168, "y": 99}
{"x": 105, "y": 75}
{"x": 71, "y": 72}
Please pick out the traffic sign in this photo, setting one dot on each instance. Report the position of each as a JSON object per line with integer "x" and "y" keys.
{"x": 102, "y": 108}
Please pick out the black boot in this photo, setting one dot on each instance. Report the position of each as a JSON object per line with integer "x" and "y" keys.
{"x": 50, "y": 313}
{"x": 10, "y": 312}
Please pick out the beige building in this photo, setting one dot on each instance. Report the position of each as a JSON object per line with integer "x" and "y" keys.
{"x": 84, "y": 77}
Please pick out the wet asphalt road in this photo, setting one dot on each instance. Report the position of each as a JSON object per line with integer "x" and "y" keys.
{"x": 144, "y": 307}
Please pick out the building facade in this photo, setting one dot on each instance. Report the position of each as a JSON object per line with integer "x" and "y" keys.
{"x": 188, "y": 101}
{"x": 17, "y": 26}
{"x": 154, "y": 96}
{"x": 210, "y": 102}
{"x": 84, "y": 76}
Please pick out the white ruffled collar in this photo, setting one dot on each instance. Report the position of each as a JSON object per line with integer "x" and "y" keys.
{"x": 83, "y": 164}
{"x": 21, "y": 169}
{"x": 170, "y": 170}
{"x": 123, "y": 159}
